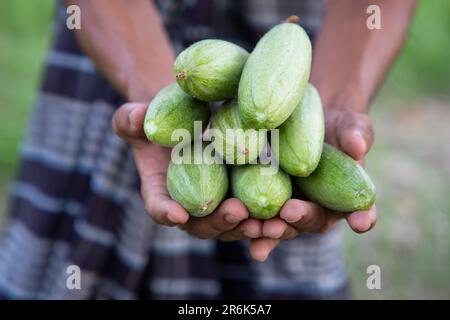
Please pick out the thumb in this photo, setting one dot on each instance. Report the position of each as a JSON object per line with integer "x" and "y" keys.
{"x": 355, "y": 135}
{"x": 128, "y": 121}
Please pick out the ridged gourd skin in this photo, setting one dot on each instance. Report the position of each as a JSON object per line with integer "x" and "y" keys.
{"x": 301, "y": 136}
{"x": 237, "y": 144}
{"x": 209, "y": 70}
{"x": 275, "y": 76}
{"x": 173, "y": 109}
{"x": 263, "y": 195}
{"x": 199, "y": 188}
{"x": 339, "y": 183}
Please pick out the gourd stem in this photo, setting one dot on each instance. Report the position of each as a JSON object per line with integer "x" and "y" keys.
{"x": 292, "y": 19}
{"x": 181, "y": 75}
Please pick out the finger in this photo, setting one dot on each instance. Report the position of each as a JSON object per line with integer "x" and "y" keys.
{"x": 292, "y": 210}
{"x": 330, "y": 125}
{"x": 247, "y": 229}
{"x": 261, "y": 248}
{"x": 167, "y": 212}
{"x": 277, "y": 228}
{"x": 354, "y": 134}
{"x": 128, "y": 121}
{"x": 158, "y": 203}
{"x": 362, "y": 221}
{"x": 229, "y": 214}
{"x": 305, "y": 216}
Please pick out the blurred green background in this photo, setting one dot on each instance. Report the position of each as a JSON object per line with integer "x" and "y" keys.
{"x": 410, "y": 161}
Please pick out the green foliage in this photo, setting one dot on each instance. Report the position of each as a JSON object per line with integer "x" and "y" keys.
{"x": 24, "y": 37}
{"x": 424, "y": 65}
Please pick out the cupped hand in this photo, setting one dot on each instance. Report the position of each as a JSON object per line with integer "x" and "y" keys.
{"x": 230, "y": 221}
{"x": 351, "y": 132}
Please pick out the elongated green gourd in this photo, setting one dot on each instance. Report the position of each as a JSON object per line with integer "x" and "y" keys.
{"x": 210, "y": 70}
{"x": 173, "y": 109}
{"x": 263, "y": 195}
{"x": 198, "y": 187}
{"x": 301, "y": 136}
{"x": 236, "y": 143}
{"x": 339, "y": 183}
{"x": 275, "y": 76}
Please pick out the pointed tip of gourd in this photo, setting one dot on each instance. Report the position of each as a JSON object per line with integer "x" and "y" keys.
{"x": 205, "y": 206}
{"x": 292, "y": 19}
{"x": 303, "y": 169}
{"x": 150, "y": 128}
{"x": 261, "y": 117}
{"x": 263, "y": 201}
{"x": 181, "y": 75}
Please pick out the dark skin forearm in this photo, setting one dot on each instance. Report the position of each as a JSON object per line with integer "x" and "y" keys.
{"x": 350, "y": 60}
{"x": 128, "y": 44}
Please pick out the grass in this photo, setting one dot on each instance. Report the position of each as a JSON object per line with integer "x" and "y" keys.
{"x": 24, "y": 37}
{"x": 25, "y": 30}
{"x": 409, "y": 161}
{"x": 410, "y": 166}
{"x": 423, "y": 67}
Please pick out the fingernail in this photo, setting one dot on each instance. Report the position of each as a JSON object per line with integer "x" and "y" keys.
{"x": 291, "y": 218}
{"x": 231, "y": 218}
{"x": 171, "y": 218}
{"x": 277, "y": 235}
{"x": 132, "y": 116}
{"x": 359, "y": 134}
{"x": 264, "y": 258}
{"x": 248, "y": 235}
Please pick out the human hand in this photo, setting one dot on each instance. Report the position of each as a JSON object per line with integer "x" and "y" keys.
{"x": 351, "y": 132}
{"x": 230, "y": 221}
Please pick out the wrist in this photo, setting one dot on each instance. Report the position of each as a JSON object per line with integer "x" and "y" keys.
{"x": 347, "y": 98}
{"x": 145, "y": 80}
{"x": 143, "y": 88}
